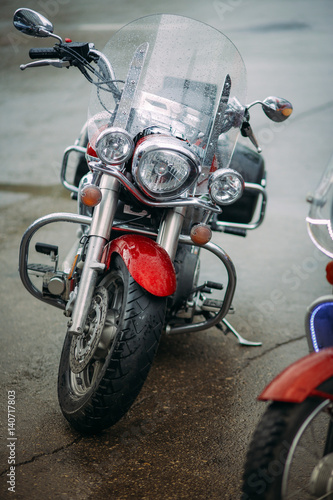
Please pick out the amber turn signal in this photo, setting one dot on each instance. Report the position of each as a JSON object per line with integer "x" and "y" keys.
{"x": 286, "y": 111}
{"x": 90, "y": 195}
{"x": 201, "y": 234}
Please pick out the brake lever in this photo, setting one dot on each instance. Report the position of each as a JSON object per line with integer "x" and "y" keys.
{"x": 57, "y": 63}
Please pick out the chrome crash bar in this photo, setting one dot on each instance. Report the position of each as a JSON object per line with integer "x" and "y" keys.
{"x": 84, "y": 220}
{"x": 228, "y": 296}
{"x": 24, "y": 252}
{"x": 249, "y": 188}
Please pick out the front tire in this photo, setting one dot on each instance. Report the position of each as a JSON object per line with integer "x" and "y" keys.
{"x": 98, "y": 395}
{"x": 289, "y": 442}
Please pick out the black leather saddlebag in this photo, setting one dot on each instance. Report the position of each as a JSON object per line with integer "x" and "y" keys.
{"x": 252, "y": 167}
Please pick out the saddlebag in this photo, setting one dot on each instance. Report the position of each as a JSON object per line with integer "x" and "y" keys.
{"x": 252, "y": 167}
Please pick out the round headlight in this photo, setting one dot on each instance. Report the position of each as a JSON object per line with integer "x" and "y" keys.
{"x": 225, "y": 186}
{"x": 114, "y": 146}
{"x": 164, "y": 167}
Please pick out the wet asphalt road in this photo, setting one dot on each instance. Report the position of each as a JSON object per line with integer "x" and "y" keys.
{"x": 187, "y": 433}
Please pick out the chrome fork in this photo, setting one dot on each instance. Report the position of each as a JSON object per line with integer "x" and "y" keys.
{"x": 98, "y": 236}
{"x": 170, "y": 229}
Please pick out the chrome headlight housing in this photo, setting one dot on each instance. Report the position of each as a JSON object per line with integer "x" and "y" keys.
{"x": 225, "y": 186}
{"x": 114, "y": 146}
{"x": 164, "y": 167}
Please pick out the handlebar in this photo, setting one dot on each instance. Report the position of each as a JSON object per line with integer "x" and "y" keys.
{"x": 62, "y": 55}
{"x": 75, "y": 54}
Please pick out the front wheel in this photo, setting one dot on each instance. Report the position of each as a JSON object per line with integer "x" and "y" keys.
{"x": 291, "y": 453}
{"x": 102, "y": 371}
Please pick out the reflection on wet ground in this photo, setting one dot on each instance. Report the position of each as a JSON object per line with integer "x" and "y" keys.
{"x": 15, "y": 193}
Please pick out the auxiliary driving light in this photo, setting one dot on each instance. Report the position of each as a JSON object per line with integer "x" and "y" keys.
{"x": 225, "y": 186}
{"x": 114, "y": 146}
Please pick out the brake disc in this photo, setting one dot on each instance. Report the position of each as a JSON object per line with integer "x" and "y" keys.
{"x": 83, "y": 347}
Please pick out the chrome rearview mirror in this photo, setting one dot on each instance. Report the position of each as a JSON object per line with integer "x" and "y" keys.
{"x": 32, "y": 23}
{"x": 276, "y": 108}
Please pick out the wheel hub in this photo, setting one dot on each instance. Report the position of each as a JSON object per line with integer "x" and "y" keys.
{"x": 84, "y": 347}
{"x": 321, "y": 482}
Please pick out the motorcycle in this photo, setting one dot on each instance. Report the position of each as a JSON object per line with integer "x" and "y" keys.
{"x": 291, "y": 452}
{"x": 154, "y": 167}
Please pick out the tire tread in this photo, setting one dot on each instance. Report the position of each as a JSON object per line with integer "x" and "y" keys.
{"x": 129, "y": 365}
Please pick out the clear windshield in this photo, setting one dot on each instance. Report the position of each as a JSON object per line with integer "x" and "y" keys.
{"x": 180, "y": 84}
{"x": 320, "y": 218}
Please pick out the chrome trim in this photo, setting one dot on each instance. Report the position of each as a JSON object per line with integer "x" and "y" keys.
{"x": 256, "y": 188}
{"x": 131, "y": 84}
{"x": 80, "y": 219}
{"x": 67, "y": 152}
{"x": 217, "y": 126}
{"x": 86, "y": 289}
{"x": 229, "y": 294}
{"x": 161, "y": 143}
{"x": 241, "y": 340}
{"x": 220, "y": 173}
{"x": 253, "y": 104}
{"x": 99, "y": 234}
{"x": 24, "y": 251}
{"x": 103, "y": 215}
{"x": 181, "y": 202}
{"x": 126, "y": 228}
{"x": 110, "y": 131}
{"x": 170, "y": 229}
{"x": 57, "y": 63}
{"x": 33, "y": 23}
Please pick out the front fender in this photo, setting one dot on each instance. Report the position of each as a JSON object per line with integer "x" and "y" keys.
{"x": 148, "y": 263}
{"x": 300, "y": 380}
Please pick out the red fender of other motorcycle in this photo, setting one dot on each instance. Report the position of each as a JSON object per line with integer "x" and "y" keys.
{"x": 300, "y": 380}
{"x": 148, "y": 263}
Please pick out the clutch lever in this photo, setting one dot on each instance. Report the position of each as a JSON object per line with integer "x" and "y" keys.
{"x": 57, "y": 63}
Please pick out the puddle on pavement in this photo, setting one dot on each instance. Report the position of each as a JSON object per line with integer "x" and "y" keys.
{"x": 14, "y": 193}
{"x": 283, "y": 26}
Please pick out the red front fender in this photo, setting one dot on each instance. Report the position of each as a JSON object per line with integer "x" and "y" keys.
{"x": 300, "y": 380}
{"x": 148, "y": 263}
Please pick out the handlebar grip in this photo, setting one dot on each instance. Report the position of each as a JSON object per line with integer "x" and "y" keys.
{"x": 237, "y": 231}
{"x": 44, "y": 53}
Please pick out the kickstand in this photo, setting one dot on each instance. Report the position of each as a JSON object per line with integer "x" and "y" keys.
{"x": 231, "y": 329}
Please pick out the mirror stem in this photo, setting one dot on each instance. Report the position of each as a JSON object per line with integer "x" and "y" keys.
{"x": 253, "y": 104}
{"x": 52, "y": 35}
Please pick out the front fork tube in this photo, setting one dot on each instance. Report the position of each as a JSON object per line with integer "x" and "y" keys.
{"x": 99, "y": 234}
{"x": 169, "y": 232}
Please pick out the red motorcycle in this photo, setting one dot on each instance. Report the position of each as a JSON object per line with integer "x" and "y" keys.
{"x": 154, "y": 167}
{"x": 291, "y": 452}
